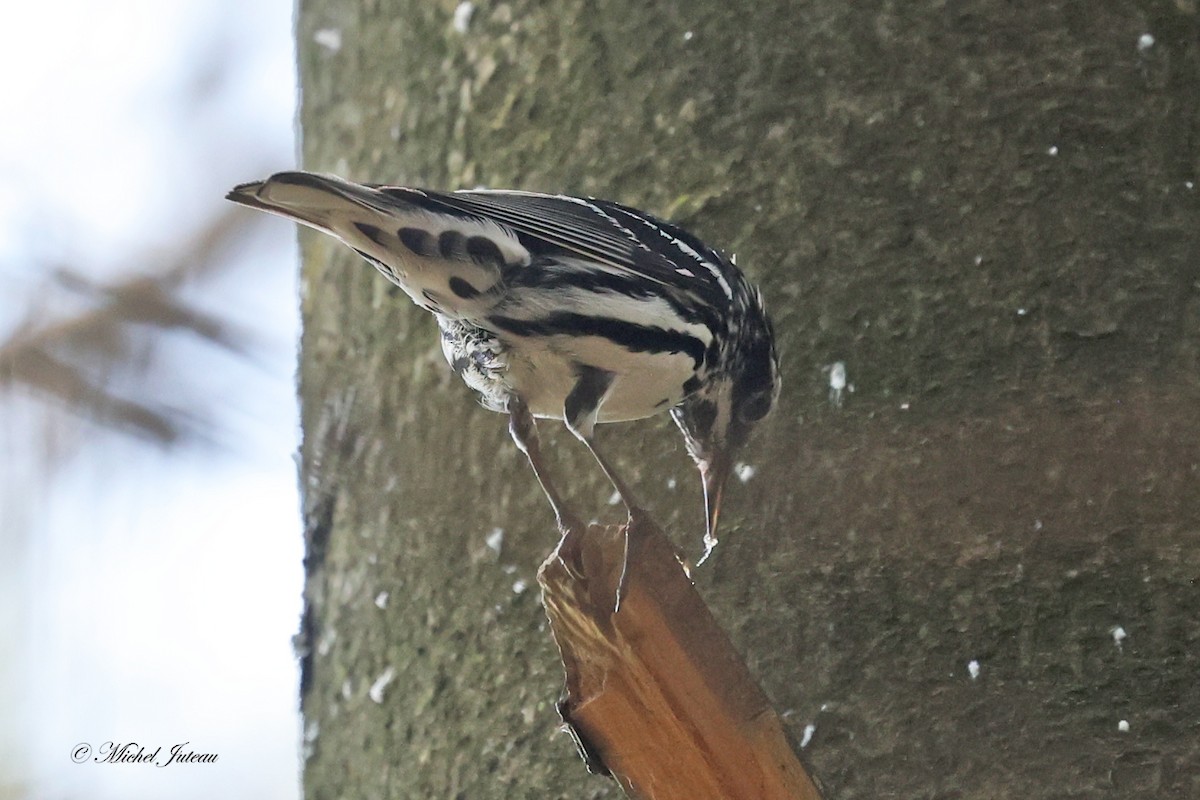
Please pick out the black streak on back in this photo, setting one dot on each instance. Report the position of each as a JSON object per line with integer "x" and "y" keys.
{"x": 484, "y": 250}
{"x": 419, "y": 241}
{"x": 462, "y": 288}
{"x": 371, "y": 232}
{"x": 452, "y": 245}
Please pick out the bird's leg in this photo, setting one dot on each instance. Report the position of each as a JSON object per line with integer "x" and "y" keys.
{"x": 631, "y": 504}
{"x": 524, "y": 432}
{"x": 579, "y": 413}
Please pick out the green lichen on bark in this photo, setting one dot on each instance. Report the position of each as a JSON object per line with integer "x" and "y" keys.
{"x": 987, "y": 212}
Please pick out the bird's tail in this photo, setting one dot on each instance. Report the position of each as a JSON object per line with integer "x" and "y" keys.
{"x": 447, "y": 261}
{"x": 324, "y": 202}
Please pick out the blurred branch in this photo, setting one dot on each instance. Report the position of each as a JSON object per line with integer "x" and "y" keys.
{"x": 61, "y": 359}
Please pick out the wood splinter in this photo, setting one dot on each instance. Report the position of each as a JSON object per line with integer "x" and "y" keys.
{"x": 655, "y": 694}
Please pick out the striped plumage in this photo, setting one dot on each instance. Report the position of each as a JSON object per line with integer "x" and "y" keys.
{"x": 561, "y": 307}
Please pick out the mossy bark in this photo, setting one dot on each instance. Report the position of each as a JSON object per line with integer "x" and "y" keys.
{"x": 986, "y": 211}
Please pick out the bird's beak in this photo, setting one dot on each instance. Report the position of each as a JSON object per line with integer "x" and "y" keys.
{"x": 715, "y": 472}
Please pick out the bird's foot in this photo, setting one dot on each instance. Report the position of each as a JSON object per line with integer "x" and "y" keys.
{"x": 638, "y": 518}
{"x": 568, "y": 522}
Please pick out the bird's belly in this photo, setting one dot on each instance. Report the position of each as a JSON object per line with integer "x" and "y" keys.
{"x": 544, "y": 372}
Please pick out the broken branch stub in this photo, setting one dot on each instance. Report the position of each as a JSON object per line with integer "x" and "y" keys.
{"x": 656, "y": 695}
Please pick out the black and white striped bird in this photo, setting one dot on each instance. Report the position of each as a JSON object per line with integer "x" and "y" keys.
{"x": 565, "y": 308}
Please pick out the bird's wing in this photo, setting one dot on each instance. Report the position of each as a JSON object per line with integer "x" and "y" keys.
{"x": 620, "y": 237}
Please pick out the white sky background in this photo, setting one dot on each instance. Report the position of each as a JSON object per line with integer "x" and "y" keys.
{"x": 147, "y": 594}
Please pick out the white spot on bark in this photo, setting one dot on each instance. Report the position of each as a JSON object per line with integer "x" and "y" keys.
{"x": 1119, "y": 634}
{"x": 329, "y": 38}
{"x": 837, "y": 382}
{"x": 806, "y": 737}
{"x": 495, "y": 540}
{"x": 462, "y": 16}
{"x": 381, "y": 683}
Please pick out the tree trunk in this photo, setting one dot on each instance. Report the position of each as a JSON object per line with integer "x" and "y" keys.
{"x": 975, "y": 576}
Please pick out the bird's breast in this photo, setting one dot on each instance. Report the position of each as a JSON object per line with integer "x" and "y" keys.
{"x": 543, "y": 370}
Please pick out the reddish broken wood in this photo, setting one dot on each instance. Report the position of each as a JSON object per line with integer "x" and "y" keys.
{"x": 655, "y": 690}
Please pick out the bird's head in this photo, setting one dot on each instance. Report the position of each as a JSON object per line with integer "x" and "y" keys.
{"x": 717, "y": 419}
